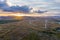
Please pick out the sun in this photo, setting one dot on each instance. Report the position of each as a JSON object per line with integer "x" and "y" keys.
{"x": 18, "y": 17}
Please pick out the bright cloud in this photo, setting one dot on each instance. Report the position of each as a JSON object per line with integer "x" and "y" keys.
{"x": 15, "y": 2}
{"x": 36, "y": 3}
{"x": 57, "y": 1}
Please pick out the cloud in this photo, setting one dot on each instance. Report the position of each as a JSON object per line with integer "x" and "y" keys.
{"x": 46, "y": 4}
{"x": 18, "y": 9}
{"x": 58, "y": 1}
{"x": 3, "y": 4}
{"x": 39, "y": 11}
{"x": 5, "y": 7}
{"x": 34, "y": 3}
{"x": 27, "y": 2}
{"x": 15, "y": 2}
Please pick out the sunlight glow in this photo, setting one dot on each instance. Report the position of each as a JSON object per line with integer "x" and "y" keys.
{"x": 18, "y": 17}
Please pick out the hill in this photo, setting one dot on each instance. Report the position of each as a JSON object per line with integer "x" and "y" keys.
{"x": 18, "y": 30}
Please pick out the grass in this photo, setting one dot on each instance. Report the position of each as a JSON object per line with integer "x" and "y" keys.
{"x": 17, "y": 29}
{"x": 32, "y": 36}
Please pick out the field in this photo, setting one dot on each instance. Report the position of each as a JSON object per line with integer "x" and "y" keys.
{"x": 30, "y": 28}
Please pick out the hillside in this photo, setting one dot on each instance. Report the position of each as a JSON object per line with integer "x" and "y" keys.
{"x": 21, "y": 29}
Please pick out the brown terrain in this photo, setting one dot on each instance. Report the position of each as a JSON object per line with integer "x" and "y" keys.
{"x": 22, "y": 28}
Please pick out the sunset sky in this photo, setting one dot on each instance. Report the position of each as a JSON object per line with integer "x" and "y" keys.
{"x": 50, "y": 6}
{"x": 47, "y": 4}
{"x": 36, "y": 4}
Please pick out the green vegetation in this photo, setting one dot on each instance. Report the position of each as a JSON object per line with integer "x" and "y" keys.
{"x": 24, "y": 30}
{"x": 7, "y": 21}
{"x": 32, "y": 36}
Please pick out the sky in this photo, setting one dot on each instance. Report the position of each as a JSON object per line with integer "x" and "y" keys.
{"x": 43, "y": 4}
{"x": 25, "y": 5}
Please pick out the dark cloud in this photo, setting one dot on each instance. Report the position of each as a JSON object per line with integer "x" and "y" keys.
{"x": 24, "y": 8}
{"x": 39, "y": 11}
{"x": 5, "y": 7}
{"x": 17, "y": 9}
